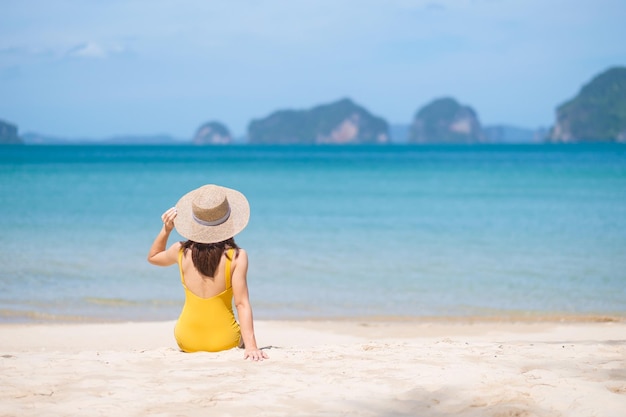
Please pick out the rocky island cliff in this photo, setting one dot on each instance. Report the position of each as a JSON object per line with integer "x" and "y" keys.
{"x": 597, "y": 113}
{"x": 8, "y": 133}
{"x": 212, "y": 133}
{"x": 445, "y": 120}
{"x": 341, "y": 122}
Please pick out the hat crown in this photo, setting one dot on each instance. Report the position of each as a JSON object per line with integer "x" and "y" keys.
{"x": 211, "y": 206}
{"x": 211, "y": 214}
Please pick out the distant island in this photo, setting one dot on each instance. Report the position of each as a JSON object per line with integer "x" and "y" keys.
{"x": 162, "y": 139}
{"x": 597, "y": 113}
{"x": 340, "y": 122}
{"x": 514, "y": 134}
{"x": 444, "y": 120}
{"x": 212, "y": 133}
{"x": 42, "y": 139}
{"x": 8, "y": 133}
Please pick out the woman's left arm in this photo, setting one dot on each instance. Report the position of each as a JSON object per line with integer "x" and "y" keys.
{"x": 244, "y": 310}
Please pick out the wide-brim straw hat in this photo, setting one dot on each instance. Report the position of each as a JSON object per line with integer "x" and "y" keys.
{"x": 211, "y": 214}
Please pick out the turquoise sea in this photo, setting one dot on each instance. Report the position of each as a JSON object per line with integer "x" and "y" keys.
{"x": 384, "y": 231}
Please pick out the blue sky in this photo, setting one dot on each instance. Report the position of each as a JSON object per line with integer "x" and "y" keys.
{"x": 102, "y": 68}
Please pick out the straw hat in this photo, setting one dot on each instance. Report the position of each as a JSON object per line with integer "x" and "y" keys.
{"x": 211, "y": 214}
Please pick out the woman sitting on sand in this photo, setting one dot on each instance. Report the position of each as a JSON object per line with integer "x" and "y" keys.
{"x": 213, "y": 270}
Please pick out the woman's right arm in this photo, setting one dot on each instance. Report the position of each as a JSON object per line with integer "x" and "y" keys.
{"x": 158, "y": 254}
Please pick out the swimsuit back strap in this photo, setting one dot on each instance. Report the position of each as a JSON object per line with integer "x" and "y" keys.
{"x": 229, "y": 259}
{"x": 180, "y": 266}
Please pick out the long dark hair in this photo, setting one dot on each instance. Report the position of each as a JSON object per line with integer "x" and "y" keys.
{"x": 206, "y": 256}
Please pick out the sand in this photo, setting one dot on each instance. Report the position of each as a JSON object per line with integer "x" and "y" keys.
{"x": 320, "y": 368}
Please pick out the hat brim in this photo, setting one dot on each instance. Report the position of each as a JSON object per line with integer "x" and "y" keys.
{"x": 188, "y": 228}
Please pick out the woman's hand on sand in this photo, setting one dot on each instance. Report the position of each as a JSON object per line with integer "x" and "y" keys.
{"x": 168, "y": 219}
{"x": 255, "y": 355}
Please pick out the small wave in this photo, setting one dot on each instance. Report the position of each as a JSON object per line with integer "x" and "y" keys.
{"x": 111, "y": 301}
{"x": 30, "y": 316}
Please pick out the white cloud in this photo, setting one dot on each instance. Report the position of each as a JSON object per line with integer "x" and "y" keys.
{"x": 88, "y": 50}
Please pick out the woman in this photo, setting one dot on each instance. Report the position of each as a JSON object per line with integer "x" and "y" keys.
{"x": 213, "y": 270}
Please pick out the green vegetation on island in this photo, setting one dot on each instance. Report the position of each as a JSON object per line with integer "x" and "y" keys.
{"x": 444, "y": 120}
{"x": 341, "y": 122}
{"x": 8, "y": 134}
{"x": 597, "y": 113}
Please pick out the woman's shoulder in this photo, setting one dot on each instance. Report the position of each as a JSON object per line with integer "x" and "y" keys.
{"x": 241, "y": 256}
{"x": 241, "y": 253}
{"x": 175, "y": 248}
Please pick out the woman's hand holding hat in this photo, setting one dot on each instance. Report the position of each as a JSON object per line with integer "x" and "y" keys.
{"x": 168, "y": 219}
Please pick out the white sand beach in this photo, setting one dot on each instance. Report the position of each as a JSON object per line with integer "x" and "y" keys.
{"x": 320, "y": 368}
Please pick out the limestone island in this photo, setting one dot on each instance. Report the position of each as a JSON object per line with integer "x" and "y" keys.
{"x": 597, "y": 113}
{"x": 8, "y": 134}
{"x": 445, "y": 120}
{"x": 340, "y": 122}
{"x": 212, "y": 133}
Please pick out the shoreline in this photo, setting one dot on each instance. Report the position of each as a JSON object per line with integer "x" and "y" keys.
{"x": 362, "y": 368}
{"x": 523, "y": 317}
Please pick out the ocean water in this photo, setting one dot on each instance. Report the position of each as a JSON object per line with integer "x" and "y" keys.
{"x": 389, "y": 231}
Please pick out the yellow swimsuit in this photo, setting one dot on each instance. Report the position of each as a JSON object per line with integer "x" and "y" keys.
{"x": 207, "y": 324}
